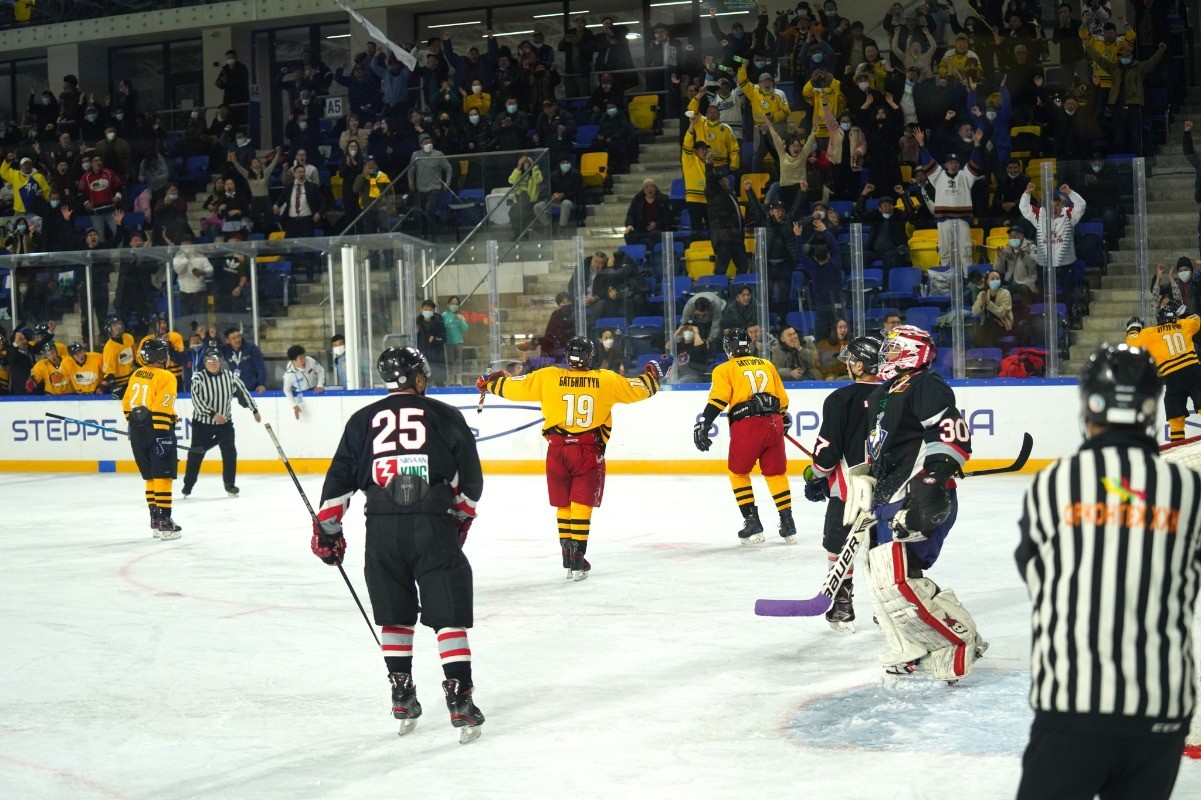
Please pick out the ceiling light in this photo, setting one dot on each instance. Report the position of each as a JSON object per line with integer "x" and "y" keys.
{"x": 338, "y": 36}
{"x": 454, "y": 24}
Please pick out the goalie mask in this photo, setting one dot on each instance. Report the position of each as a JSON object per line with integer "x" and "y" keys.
{"x": 1120, "y": 385}
{"x": 578, "y": 352}
{"x": 398, "y": 367}
{"x": 907, "y": 348}
{"x": 736, "y": 342}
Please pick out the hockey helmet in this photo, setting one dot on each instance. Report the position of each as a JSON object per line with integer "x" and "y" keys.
{"x": 578, "y": 352}
{"x": 155, "y": 319}
{"x": 864, "y": 349}
{"x": 736, "y": 342}
{"x": 1165, "y": 315}
{"x": 154, "y": 351}
{"x": 74, "y": 348}
{"x": 1134, "y": 325}
{"x": 211, "y": 354}
{"x": 907, "y": 347}
{"x": 42, "y": 330}
{"x": 399, "y": 367}
{"x": 1120, "y": 385}
{"x": 109, "y": 322}
{"x": 48, "y": 349}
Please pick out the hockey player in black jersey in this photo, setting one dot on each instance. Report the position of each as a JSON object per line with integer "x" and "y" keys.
{"x": 841, "y": 444}
{"x": 917, "y": 444}
{"x": 415, "y": 460}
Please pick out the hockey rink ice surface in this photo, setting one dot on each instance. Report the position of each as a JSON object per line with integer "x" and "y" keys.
{"x": 233, "y": 664}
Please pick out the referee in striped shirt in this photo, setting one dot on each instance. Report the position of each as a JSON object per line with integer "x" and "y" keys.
{"x": 213, "y": 391}
{"x": 1111, "y": 555}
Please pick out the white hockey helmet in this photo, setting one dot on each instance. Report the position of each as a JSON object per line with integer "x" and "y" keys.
{"x": 907, "y": 347}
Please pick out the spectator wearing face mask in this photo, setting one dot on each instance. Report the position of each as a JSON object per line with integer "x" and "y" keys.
{"x": 994, "y": 310}
{"x": 456, "y": 325}
{"x": 116, "y": 152}
{"x": 1126, "y": 96}
{"x": 1017, "y": 262}
{"x": 337, "y": 363}
{"x": 1178, "y": 283}
{"x": 431, "y": 339}
{"x": 612, "y": 352}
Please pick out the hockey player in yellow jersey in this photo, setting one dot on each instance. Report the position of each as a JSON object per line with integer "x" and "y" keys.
{"x": 159, "y": 329}
{"x": 577, "y": 406}
{"x": 86, "y": 373}
{"x": 1170, "y": 343}
{"x": 51, "y": 374}
{"x": 149, "y": 405}
{"x": 116, "y": 361}
{"x": 749, "y": 390}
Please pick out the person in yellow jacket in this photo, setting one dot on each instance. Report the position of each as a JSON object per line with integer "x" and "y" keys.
{"x": 727, "y": 152}
{"x": 1106, "y": 47}
{"x": 26, "y": 181}
{"x": 765, "y": 101}
{"x": 161, "y": 330}
{"x": 692, "y": 162}
{"x": 526, "y": 180}
{"x": 823, "y": 92}
{"x": 478, "y": 99}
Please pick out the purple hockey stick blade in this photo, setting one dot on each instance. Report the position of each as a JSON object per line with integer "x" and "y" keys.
{"x": 793, "y": 608}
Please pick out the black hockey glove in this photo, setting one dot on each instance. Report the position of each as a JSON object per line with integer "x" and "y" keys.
{"x": 817, "y": 489}
{"x": 328, "y": 543}
{"x": 928, "y": 504}
{"x": 700, "y": 436}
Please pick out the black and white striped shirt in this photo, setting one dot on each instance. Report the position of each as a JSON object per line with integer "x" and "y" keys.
{"x": 1111, "y": 555}
{"x": 213, "y": 394}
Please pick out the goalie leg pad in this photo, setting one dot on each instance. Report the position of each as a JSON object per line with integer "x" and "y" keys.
{"x": 923, "y": 553}
{"x": 920, "y": 621}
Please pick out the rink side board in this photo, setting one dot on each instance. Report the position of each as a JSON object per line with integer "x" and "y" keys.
{"x": 650, "y": 438}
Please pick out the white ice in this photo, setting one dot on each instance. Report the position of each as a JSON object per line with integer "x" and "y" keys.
{"x": 233, "y": 664}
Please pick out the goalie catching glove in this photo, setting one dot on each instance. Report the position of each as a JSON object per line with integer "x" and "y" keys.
{"x": 928, "y": 503}
{"x": 328, "y": 544}
{"x": 659, "y": 366}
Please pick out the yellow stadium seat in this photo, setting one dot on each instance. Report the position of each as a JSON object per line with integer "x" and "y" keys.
{"x": 273, "y": 236}
{"x": 759, "y": 181}
{"x": 642, "y": 111}
{"x": 923, "y": 248}
{"x": 698, "y": 259}
{"x": 924, "y": 235}
{"x": 1000, "y": 230}
{"x": 644, "y": 100}
{"x": 594, "y": 168}
{"x": 994, "y": 243}
{"x": 977, "y": 244}
{"x": 906, "y": 173}
{"x": 1016, "y": 131}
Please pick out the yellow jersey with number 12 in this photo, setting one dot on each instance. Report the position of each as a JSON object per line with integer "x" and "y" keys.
{"x": 576, "y": 401}
{"x": 1171, "y": 344}
{"x": 734, "y": 382}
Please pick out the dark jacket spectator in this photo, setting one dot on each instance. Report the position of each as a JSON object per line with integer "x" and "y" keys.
{"x": 648, "y": 216}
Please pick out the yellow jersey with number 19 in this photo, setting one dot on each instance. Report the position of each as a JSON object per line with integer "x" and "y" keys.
{"x": 155, "y": 389}
{"x": 734, "y": 382}
{"x": 1170, "y": 344}
{"x": 575, "y": 401}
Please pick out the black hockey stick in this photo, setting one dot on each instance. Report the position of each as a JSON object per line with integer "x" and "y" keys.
{"x": 1016, "y": 466}
{"x": 97, "y": 426}
{"x": 313, "y": 514}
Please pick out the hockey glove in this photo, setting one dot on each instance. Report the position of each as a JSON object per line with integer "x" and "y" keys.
{"x": 481, "y": 383}
{"x": 927, "y": 506}
{"x": 700, "y": 436}
{"x": 328, "y": 543}
{"x": 817, "y": 489}
{"x": 463, "y": 524}
{"x": 659, "y": 366}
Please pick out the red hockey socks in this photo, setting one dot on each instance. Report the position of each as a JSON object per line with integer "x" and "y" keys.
{"x": 396, "y": 642}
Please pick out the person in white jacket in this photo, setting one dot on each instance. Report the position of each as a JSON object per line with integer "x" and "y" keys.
{"x": 301, "y": 375}
{"x": 1064, "y": 219}
{"x": 193, "y": 271}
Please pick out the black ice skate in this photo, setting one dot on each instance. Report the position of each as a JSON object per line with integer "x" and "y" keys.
{"x": 186, "y": 492}
{"x": 404, "y": 701}
{"x": 577, "y": 566}
{"x": 231, "y": 490}
{"x": 154, "y": 522}
{"x": 167, "y": 529}
{"x": 752, "y": 528}
{"x": 787, "y": 527}
{"x": 566, "y": 545}
{"x": 841, "y": 615}
{"x": 463, "y": 712}
{"x": 904, "y": 668}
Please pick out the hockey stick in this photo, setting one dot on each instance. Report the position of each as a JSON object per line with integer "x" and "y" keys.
{"x": 799, "y": 446}
{"x": 1016, "y": 466}
{"x": 820, "y": 603}
{"x": 313, "y": 514}
{"x": 99, "y": 427}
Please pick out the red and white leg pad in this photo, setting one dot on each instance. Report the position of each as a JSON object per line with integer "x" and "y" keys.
{"x": 919, "y": 620}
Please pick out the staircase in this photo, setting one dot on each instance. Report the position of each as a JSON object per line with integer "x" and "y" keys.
{"x": 1171, "y": 233}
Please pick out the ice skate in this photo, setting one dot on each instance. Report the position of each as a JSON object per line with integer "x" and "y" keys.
{"x": 752, "y": 529}
{"x": 904, "y": 668}
{"x": 566, "y": 546}
{"x": 841, "y": 615}
{"x": 186, "y": 492}
{"x": 167, "y": 529}
{"x": 231, "y": 490}
{"x": 154, "y": 523}
{"x": 578, "y": 566}
{"x": 787, "y": 527}
{"x": 463, "y": 712}
{"x": 404, "y": 701}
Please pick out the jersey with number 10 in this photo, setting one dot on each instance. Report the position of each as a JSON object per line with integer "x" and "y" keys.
{"x": 734, "y": 382}
{"x": 576, "y": 401}
{"x": 1171, "y": 344}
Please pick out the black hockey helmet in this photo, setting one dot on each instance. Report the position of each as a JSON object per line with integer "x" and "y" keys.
{"x": 399, "y": 366}
{"x": 154, "y": 351}
{"x": 1120, "y": 385}
{"x": 1166, "y": 314}
{"x": 1134, "y": 325}
{"x": 211, "y": 352}
{"x": 736, "y": 342}
{"x": 865, "y": 349}
{"x": 47, "y": 349}
{"x": 42, "y": 330}
{"x": 156, "y": 318}
{"x": 76, "y": 347}
{"x": 578, "y": 352}
{"x": 109, "y": 322}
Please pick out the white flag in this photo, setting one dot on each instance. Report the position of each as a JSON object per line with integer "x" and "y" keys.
{"x": 399, "y": 52}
